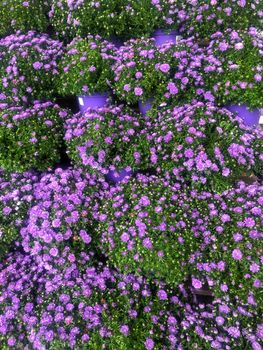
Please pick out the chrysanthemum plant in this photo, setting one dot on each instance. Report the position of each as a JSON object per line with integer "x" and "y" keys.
{"x": 28, "y": 65}
{"x": 233, "y": 67}
{"x": 108, "y": 138}
{"x": 31, "y": 138}
{"x": 142, "y": 70}
{"x": 85, "y": 67}
{"x": 144, "y": 228}
{"x": 202, "y": 144}
{"x": 231, "y": 253}
{"x": 23, "y": 15}
{"x": 123, "y": 18}
{"x": 203, "y": 18}
{"x": 66, "y": 201}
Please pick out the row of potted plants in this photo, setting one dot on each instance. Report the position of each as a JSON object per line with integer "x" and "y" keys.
{"x": 227, "y": 72}
{"x": 55, "y": 293}
{"x": 128, "y": 18}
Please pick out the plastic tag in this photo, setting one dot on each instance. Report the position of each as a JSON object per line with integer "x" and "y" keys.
{"x": 81, "y": 102}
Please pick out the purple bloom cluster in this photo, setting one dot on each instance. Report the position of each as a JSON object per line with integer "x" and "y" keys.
{"x": 233, "y": 67}
{"x": 147, "y": 225}
{"x": 85, "y": 66}
{"x": 169, "y": 257}
{"x": 204, "y": 144}
{"x": 108, "y": 138}
{"x": 28, "y": 64}
{"x": 66, "y": 203}
{"x": 142, "y": 70}
{"x": 23, "y": 15}
{"x": 32, "y": 136}
{"x": 230, "y": 258}
{"x": 203, "y": 18}
{"x": 125, "y": 19}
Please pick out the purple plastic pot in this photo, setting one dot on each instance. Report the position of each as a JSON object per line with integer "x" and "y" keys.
{"x": 251, "y": 118}
{"x": 92, "y": 101}
{"x": 116, "y": 176}
{"x": 145, "y": 106}
{"x": 116, "y": 41}
{"x": 161, "y": 36}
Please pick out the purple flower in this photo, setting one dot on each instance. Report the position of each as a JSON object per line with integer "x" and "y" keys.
{"x": 162, "y": 295}
{"x": 37, "y": 65}
{"x": 125, "y": 237}
{"x": 225, "y": 218}
{"x": 220, "y": 320}
{"x": 237, "y": 254}
{"x": 85, "y": 237}
{"x": 149, "y": 344}
{"x": 197, "y": 284}
{"x": 124, "y": 329}
{"x": 138, "y": 91}
{"x": 258, "y": 77}
{"x": 127, "y": 87}
{"x": 234, "y": 332}
{"x": 147, "y": 243}
{"x": 165, "y": 67}
{"x": 171, "y": 87}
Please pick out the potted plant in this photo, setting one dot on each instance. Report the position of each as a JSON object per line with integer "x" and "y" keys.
{"x": 232, "y": 72}
{"x": 230, "y": 255}
{"x": 203, "y": 18}
{"x": 143, "y": 228}
{"x": 23, "y": 15}
{"x": 201, "y": 144}
{"x": 110, "y": 141}
{"x": 31, "y": 137}
{"x": 122, "y": 19}
{"x": 85, "y": 71}
{"x": 142, "y": 71}
{"x": 63, "y": 212}
{"x": 28, "y": 65}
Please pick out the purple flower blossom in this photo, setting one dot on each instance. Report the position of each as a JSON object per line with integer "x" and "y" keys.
{"x": 237, "y": 254}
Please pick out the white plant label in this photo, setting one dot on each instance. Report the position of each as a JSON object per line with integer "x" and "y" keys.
{"x": 81, "y": 102}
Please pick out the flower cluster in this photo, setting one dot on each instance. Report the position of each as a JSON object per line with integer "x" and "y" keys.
{"x": 30, "y": 137}
{"x": 28, "y": 64}
{"x": 123, "y": 18}
{"x": 51, "y": 302}
{"x": 203, "y": 144}
{"x": 108, "y": 138}
{"x": 233, "y": 67}
{"x": 142, "y": 70}
{"x": 203, "y": 18}
{"x": 230, "y": 258}
{"x": 85, "y": 66}
{"x": 66, "y": 202}
{"x": 187, "y": 82}
{"x": 16, "y": 196}
{"x": 221, "y": 325}
{"x": 144, "y": 227}
{"x": 23, "y": 15}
